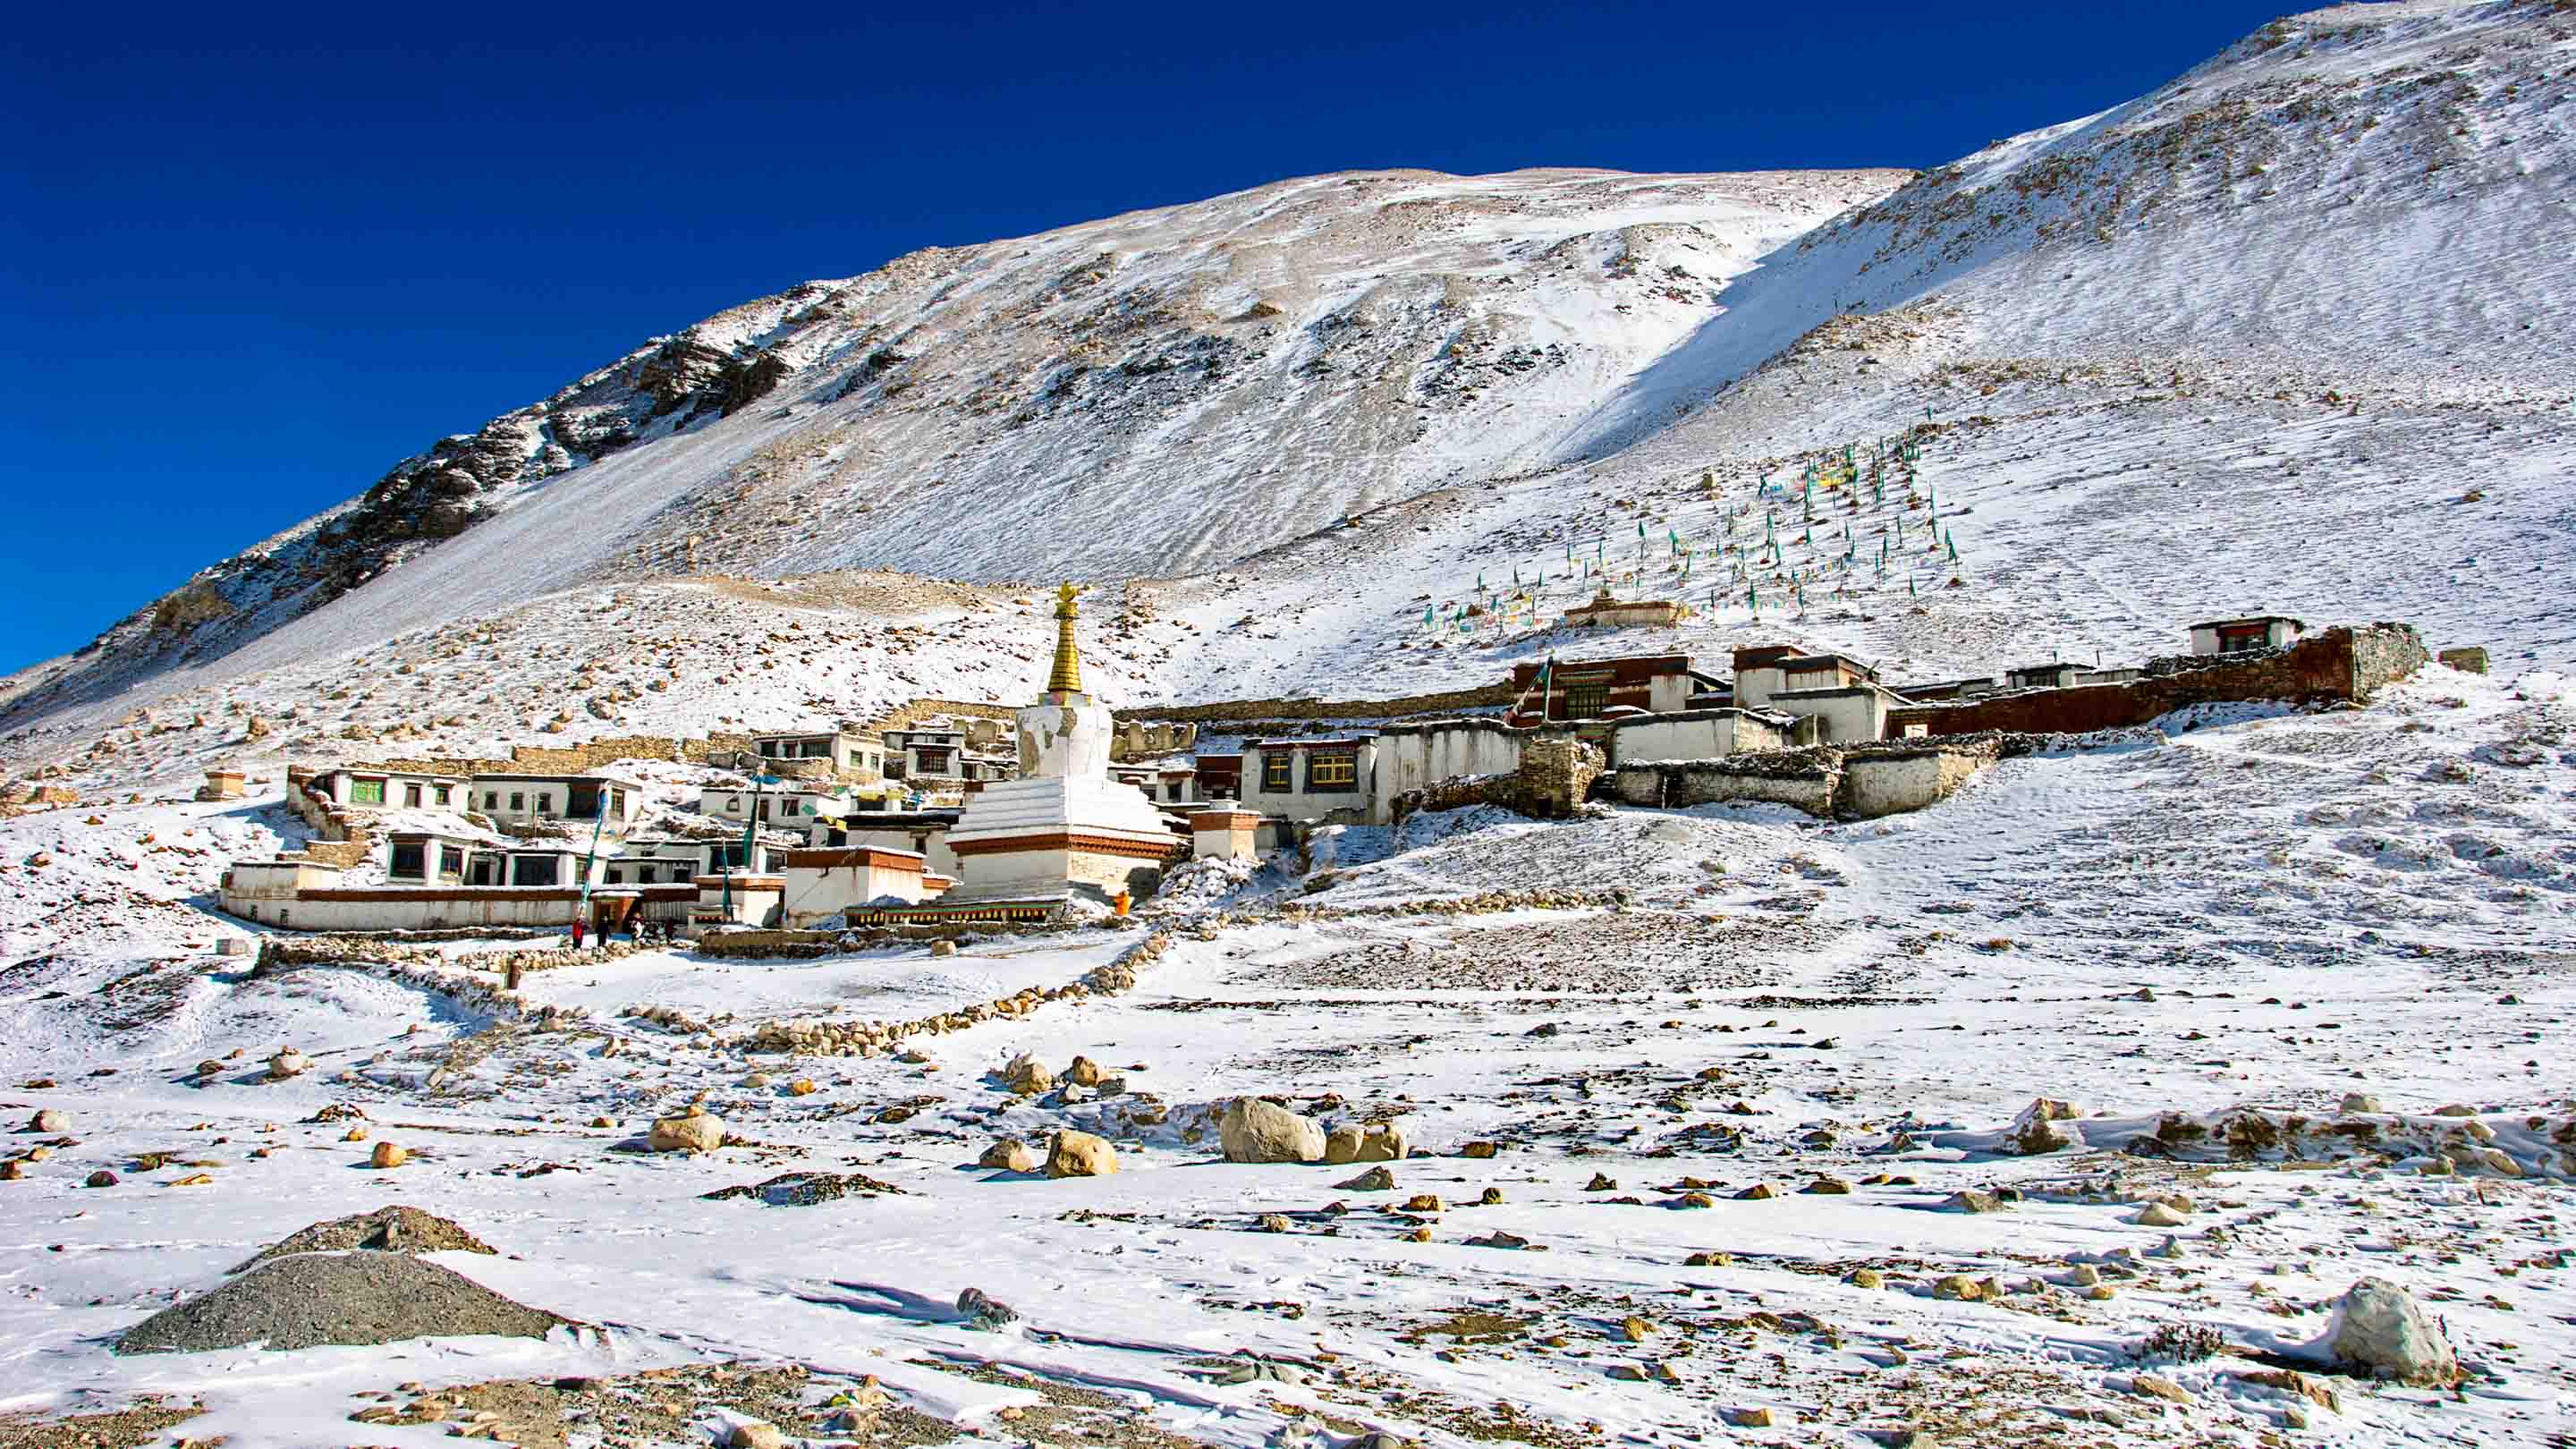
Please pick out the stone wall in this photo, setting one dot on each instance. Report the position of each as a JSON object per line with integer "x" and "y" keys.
{"x": 1828, "y": 782}
{"x": 1484, "y": 696}
{"x": 1556, "y": 776}
{"x": 2339, "y": 665}
{"x": 904, "y": 716}
{"x": 578, "y": 759}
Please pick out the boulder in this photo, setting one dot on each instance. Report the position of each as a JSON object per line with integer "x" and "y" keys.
{"x": 1009, "y": 1155}
{"x": 1253, "y": 1130}
{"x": 2360, "y": 1103}
{"x": 2158, "y": 1215}
{"x": 388, "y": 1155}
{"x": 2378, "y": 1327}
{"x": 49, "y": 1121}
{"x": 2035, "y": 1130}
{"x": 695, "y": 1130}
{"x": 1376, "y": 1179}
{"x": 1084, "y": 1072}
{"x": 1080, "y": 1154}
{"x": 288, "y": 1063}
{"x": 1026, "y": 1076}
{"x": 1342, "y": 1145}
{"x": 1383, "y": 1142}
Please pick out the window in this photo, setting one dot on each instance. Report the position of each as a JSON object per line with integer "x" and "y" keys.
{"x": 534, "y": 870}
{"x": 616, "y": 876}
{"x": 518, "y": 800}
{"x": 933, "y": 761}
{"x": 787, "y": 806}
{"x": 451, "y": 861}
{"x": 545, "y": 802}
{"x": 1333, "y": 772}
{"x": 491, "y": 799}
{"x": 410, "y": 860}
{"x": 439, "y": 794}
{"x": 411, "y": 797}
{"x": 1275, "y": 777}
{"x": 1587, "y": 701}
{"x": 366, "y": 792}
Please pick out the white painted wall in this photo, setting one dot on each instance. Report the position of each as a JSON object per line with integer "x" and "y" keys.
{"x": 1411, "y": 759}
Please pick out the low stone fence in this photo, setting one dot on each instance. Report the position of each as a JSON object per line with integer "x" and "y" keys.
{"x": 280, "y": 952}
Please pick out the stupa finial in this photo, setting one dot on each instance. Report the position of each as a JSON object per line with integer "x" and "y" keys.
{"x": 1066, "y": 676}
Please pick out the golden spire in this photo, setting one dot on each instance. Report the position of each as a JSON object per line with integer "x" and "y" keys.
{"x": 1066, "y": 677}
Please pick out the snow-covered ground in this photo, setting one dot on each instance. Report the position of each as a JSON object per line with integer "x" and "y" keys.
{"x": 2258, "y": 910}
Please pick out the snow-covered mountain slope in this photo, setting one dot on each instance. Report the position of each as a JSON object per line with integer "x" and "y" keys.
{"x": 1136, "y": 395}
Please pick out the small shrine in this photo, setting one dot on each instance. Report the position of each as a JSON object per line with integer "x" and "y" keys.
{"x": 1064, "y": 827}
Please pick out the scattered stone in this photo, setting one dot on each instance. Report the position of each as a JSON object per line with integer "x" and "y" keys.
{"x": 1635, "y": 1329}
{"x": 1080, "y": 1154}
{"x": 2377, "y": 1326}
{"x": 696, "y": 1130}
{"x": 2158, "y": 1215}
{"x": 2455, "y": 1109}
{"x": 1253, "y": 1130}
{"x": 100, "y": 1178}
{"x": 1828, "y": 1185}
{"x": 313, "y": 1299}
{"x": 1274, "y": 1223}
{"x": 1866, "y": 1278}
{"x": 2290, "y": 1382}
{"x": 1376, "y": 1179}
{"x": 2150, "y": 1386}
{"x": 1083, "y": 1073}
{"x": 1758, "y": 1192}
{"x": 288, "y": 1063}
{"x": 1969, "y": 1200}
{"x": 1957, "y": 1286}
{"x": 752, "y": 1434}
{"x": 388, "y": 1155}
{"x": 1480, "y": 1149}
{"x": 943, "y": 948}
{"x": 1602, "y": 1182}
{"x": 1342, "y": 1145}
{"x": 2361, "y": 1103}
{"x": 1746, "y": 1418}
{"x": 1422, "y": 1202}
{"x": 1709, "y": 1259}
{"x": 12, "y": 1170}
{"x": 50, "y": 1122}
{"x": 1499, "y": 1240}
{"x": 984, "y": 1313}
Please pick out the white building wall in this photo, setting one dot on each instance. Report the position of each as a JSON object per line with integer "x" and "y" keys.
{"x": 1296, "y": 802}
{"x": 1411, "y": 759}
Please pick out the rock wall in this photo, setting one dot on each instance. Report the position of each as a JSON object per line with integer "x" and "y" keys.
{"x": 2344, "y": 664}
{"x": 1484, "y": 696}
{"x": 1556, "y": 776}
{"x": 1825, "y": 781}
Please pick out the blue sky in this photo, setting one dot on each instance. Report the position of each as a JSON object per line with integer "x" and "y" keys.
{"x": 250, "y": 258}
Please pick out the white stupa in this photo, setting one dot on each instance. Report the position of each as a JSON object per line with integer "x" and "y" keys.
{"x": 1064, "y": 825}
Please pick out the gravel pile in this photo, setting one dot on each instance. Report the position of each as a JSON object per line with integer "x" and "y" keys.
{"x": 336, "y": 1298}
{"x": 386, "y": 1230}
